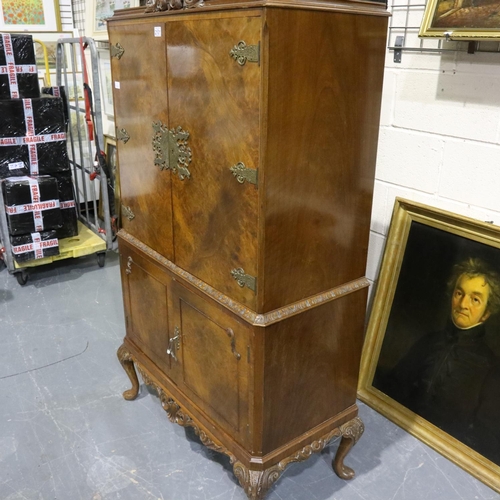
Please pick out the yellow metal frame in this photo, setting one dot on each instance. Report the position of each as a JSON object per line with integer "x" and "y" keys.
{"x": 46, "y": 61}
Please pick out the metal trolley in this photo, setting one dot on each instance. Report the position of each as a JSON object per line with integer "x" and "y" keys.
{"x": 92, "y": 186}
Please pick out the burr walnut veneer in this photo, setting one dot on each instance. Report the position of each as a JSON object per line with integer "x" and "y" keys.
{"x": 247, "y": 142}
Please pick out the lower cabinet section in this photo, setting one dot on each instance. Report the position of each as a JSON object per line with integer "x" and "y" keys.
{"x": 202, "y": 350}
{"x": 213, "y": 360}
{"x": 266, "y": 390}
{"x": 145, "y": 294}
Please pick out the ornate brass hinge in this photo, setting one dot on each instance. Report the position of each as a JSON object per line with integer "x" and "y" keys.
{"x": 242, "y": 53}
{"x": 171, "y": 150}
{"x": 174, "y": 343}
{"x": 116, "y": 50}
{"x": 122, "y": 135}
{"x": 243, "y": 173}
{"x": 244, "y": 279}
{"x": 127, "y": 212}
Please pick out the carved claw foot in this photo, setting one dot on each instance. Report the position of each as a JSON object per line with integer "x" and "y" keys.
{"x": 256, "y": 483}
{"x": 128, "y": 365}
{"x": 351, "y": 432}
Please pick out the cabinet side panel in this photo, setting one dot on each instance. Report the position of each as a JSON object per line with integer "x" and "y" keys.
{"x": 311, "y": 368}
{"x": 140, "y": 98}
{"x": 325, "y": 82}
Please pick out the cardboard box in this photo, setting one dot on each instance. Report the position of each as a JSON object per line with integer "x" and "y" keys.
{"x": 34, "y": 246}
{"x": 67, "y": 205}
{"x": 31, "y": 204}
{"x": 32, "y": 137}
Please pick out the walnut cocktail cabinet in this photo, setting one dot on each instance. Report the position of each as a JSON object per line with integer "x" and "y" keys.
{"x": 247, "y": 142}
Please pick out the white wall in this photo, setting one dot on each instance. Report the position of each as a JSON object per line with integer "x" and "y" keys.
{"x": 439, "y": 139}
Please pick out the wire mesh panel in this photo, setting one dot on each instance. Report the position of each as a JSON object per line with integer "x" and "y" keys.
{"x": 85, "y": 133}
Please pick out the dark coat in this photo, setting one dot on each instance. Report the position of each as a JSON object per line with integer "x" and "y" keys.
{"x": 452, "y": 379}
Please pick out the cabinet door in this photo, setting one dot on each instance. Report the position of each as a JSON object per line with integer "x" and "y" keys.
{"x": 213, "y": 360}
{"x": 216, "y": 100}
{"x": 145, "y": 290}
{"x": 140, "y": 98}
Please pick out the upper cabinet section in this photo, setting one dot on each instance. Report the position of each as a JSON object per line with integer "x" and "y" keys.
{"x": 253, "y": 140}
{"x": 188, "y": 103}
{"x": 216, "y": 100}
{"x": 139, "y": 72}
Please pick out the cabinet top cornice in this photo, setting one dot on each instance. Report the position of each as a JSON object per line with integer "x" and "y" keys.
{"x": 179, "y": 7}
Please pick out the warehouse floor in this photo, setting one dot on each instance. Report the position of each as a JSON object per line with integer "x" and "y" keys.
{"x": 66, "y": 433}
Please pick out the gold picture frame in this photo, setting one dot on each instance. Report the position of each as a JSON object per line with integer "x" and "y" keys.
{"x": 111, "y": 153}
{"x": 412, "y": 325}
{"x": 461, "y": 19}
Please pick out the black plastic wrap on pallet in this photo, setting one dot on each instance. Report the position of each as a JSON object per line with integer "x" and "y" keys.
{"x": 32, "y": 137}
{"x": 18, "y": 71}
{"x": 58, "y": 92}
{"x": 31, "y": 204}
{"x": 67, "y": 205}
{"x": 34, "y": 246}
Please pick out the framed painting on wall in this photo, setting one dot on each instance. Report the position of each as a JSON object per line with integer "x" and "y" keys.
{"x": 46, "y": 44}
{"x": 431, "y": 359}
{"x": 29, "y": 15}
{"x": 105, "y": 79}
{"x": 461, "y": 19}
{"x": 97, "y": 13}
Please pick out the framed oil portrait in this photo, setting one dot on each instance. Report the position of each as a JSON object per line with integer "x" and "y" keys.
{"x": 461, "y": 19}
{"x": 30, "y": 15}
{"x": 431, "y": 359}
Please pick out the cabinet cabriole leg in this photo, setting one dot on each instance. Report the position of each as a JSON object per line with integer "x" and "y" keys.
{"x": 256, "y": 483}
{"x": 128, "y": 365}
{"x": 351, "y": 432}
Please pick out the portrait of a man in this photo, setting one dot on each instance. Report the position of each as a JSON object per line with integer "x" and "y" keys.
{"x": 440, "y": 357}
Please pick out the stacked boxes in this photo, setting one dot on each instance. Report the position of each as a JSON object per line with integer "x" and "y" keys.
{"x": 34, "y": 246}
{"x": 32, "y": 137}
{"x": 31, "y": 204}
{"x": 18, "y": 71}
{"x": 34, "y": 166}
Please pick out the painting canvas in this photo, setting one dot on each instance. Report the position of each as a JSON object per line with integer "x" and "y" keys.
{"x": 106, "y": 84}
{"x": 462, "y": 19}
{"x": 431, "y": 360}
{"x": 105, "y": 9}
{"x": 29, "y": 15}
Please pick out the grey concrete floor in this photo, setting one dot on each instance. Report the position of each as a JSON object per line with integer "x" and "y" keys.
{"x": 66, "y": 433}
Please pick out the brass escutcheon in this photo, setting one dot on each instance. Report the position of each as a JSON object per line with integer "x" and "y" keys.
{"x": 171, "y": 150}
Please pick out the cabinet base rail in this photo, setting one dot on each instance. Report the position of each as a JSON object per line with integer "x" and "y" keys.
{"x": 256, "y": 483}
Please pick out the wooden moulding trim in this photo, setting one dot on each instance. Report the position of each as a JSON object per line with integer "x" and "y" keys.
{"x": 353, "y": 7}
{"x": 323, "y": 433}
{"x": 248, "y": 315}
